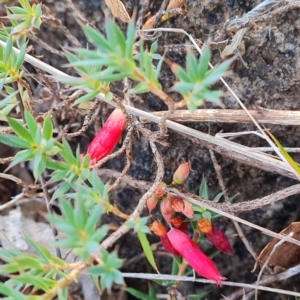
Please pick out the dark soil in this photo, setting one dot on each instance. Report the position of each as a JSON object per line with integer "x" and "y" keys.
{"x": 268, "y": 77}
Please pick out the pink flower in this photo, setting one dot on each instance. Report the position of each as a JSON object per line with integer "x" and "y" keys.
{"x": 160, "y": 230}
{"x": 107, "y": 138}
{"x": 188, "y": 210}
{"x": 160, "y": 190}
{"x": 181, "y": 174}
{"x": 220, "y": 240}
{"x": 152, "y": 202}
{"x": 177, "y": 203}
{"x": 166, "y": 209}
{"x": 189, "y": 250}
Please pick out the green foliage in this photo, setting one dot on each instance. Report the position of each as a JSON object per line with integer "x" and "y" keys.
{"x": 9, "y": 102}
{"x": 286, "y": 155}
{"x": 82, "y": 196}
{"x": 194, "y": 82}
{"x": 38, "y": 270}
{"x": 140, "y": 295}
{"x": 37, "y": 142}
{"x": 79, "y": 226}
{"x": 108, "y": 271}
{"x": 28, "y": 16}
{"x": 147, "y": 249}
{"x": 10, "y": 62}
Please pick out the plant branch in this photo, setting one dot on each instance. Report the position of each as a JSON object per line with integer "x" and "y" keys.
{"x": 139, "y": 208}
{"x": 261, "y": 115}
{"x": 287, "y": 274}
{"x": 50, "y": 211}
{"x": 210, "y": 206}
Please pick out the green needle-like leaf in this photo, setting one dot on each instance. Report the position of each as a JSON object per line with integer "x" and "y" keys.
{"x": 14, "y": 141}
{"x": 47, "y": 128}
{"x": 147, "y": 249}
{"x": 20, "y": 130}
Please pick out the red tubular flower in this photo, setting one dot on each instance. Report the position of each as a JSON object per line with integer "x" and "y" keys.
{"x": 220, "y": 241}
{"x": 160, "y": 230}
{"x": 107, "y": 138}
{"x": 180, "y": 224}
{"x": 189, "y": 250}
{"x": 182, "y": 173}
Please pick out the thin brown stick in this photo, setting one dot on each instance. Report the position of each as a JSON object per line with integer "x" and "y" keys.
{"x": 227, "y": 207}
{"x": 160, "y": 12}
{"x": 6, "y": 160}
{"x": 142, "y": 13}
{"x": 138, "y": 184}
{"x": 78, "y": 15}
{"x": 253, "y": 204}
{"x": 207, "y": 204}
{"x": 50, "y": 211}
{"x": 266, "y": 281}
{"x": 139, "y": 208}
{"x": 287, "y": 274}
{"x": 128, "y": 160}
{"x": 19, "y": 99}
{"x": 261, "y": 115}
{"x": 267, "y": 261}
{"x": 235, "y": 223}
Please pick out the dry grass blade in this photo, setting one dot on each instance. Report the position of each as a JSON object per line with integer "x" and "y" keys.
{"x": 262, "y": 115}
{"x": 118, "y": 9}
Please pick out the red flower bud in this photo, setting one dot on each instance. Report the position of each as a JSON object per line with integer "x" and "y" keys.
{"x": 107, "y": 138}
{"x": 161, "y": 231}
{"x": 220, "y": 241}
{"x": 182, "y": 173}
{"x": 151, "y": 202}
{"x": 204, "y": 225}
{"x": 166, "y": 209}
{"x": 188, "y": 210}
{"x": 189, "y": 250}
{"x": 160, "y": 190}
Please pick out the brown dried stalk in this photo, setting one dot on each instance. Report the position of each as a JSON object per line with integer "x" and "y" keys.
{"x": 261, "y": 115}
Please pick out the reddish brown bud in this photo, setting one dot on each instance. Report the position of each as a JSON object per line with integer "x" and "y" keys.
{"x": 188, "y": 210}
{"x": 220, "y": 241}
{"x": 177, "y": 203}
{"x": 152, "y": 202}
{"x": 166, "y": 209}
{"x": 107, "y": 138}
{"x": 182, "y": 173}
{"x": 204, "y": 225}
{"x": 160, "y": 190}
